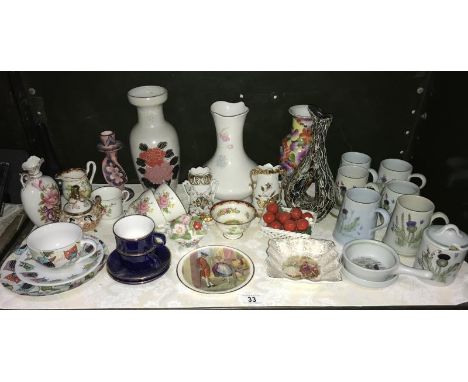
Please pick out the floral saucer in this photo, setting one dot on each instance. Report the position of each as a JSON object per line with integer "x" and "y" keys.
{"x": 215, "y": 269}
{"x": 10, "y": 280}
{"x": 32, "y": 272}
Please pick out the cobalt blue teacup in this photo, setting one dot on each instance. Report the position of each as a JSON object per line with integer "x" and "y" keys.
{"x": 135, "y": 236}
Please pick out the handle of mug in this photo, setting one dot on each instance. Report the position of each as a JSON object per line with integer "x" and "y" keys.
{"x": 386, "y": 219}
{"x": 91, "y": 166}
{"x": 421, "y": 177}
{"x": 374, "y": 174}
{"x": 159, "y": 238}
{"x": 374, "y": 186}
{"x": 125, "y": 195}
{"x": 85, "y": 254}
{"x": 440, "y": 215}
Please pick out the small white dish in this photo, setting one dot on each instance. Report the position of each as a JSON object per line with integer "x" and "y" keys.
{"x": 367, "y": 283}
{"x": 146, "y": 205}
{"x": 34, "y": 273}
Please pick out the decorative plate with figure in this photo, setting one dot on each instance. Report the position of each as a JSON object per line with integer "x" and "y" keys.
{"x": 215, "y": 269}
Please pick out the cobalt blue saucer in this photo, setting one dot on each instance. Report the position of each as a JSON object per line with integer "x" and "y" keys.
{"x": 139, "y": 269}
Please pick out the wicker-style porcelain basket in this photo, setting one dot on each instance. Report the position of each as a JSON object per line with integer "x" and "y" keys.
{"x": 273, "y": 233}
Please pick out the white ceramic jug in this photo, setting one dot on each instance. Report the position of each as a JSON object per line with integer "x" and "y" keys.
{"x": 77, "y": 177}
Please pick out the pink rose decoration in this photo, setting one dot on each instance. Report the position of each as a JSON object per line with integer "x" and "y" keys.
{"x": 142, "y": 207}
{"x": 185, "y": 219}
{"x": 51, "y": 198}
{"x": 159, "y": 173}
{"x": 163, "y": 201}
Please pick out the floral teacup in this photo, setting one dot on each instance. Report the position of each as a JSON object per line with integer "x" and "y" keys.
{"x": 169, "y": 202}
{"x": 146, "y": 205}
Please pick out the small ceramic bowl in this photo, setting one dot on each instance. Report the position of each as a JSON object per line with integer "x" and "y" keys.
{"x": 169, "y": 202}
{"x": 146, "y": 205}
{"x": 376, "y": 261}
{"x": 233, "y": 217}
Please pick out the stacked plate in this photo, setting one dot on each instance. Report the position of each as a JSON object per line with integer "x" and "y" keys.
{"x": 23, "y": 275}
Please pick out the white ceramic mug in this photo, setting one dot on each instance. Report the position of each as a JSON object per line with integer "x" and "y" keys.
{"x": 169, "y": 202}
{"x": 350, "y": 177}
{"x": 358, "y": 216}
{"x": 112, "y": 199}
{"x": 354, "y": 158}
{"x": 398, "y": 169}
{"x": 412, "y": 214}
{"x": 392, "y": 190}
{"x": 147, "y": 205}
{"x": 59, "y": 244}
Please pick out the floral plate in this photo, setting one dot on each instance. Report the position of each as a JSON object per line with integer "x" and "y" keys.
{"x": 10, "y": 280}
{"x": 215, "y": 269}
{"x": 34, "y": 273}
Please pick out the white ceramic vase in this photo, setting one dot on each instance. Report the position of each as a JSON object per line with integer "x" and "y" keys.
{"x": 40, "y": 195}
{"x": 230, "y": 165}
{"x": 154, "y": 143}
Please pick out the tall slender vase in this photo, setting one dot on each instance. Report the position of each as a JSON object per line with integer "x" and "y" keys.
{"x": 313, "y": 172}
{"x": 154, "y": 143}
{"x": 230, "y": 165}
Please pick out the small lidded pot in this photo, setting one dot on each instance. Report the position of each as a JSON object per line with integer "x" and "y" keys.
{"x": 82, "y": 211}
{"x": 442, "y": 251}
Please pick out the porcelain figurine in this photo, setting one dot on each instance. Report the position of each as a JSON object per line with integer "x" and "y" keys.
{"x": 295, "y": 145}
{"x": 82, "y": 211}
{"x": 40, "y": 194}
{"x": 311, "y": 185}
{"x": 77, "y": 177}
{"x": 230, "y": 165}
{"x": 266, "y": 185}
{"x": 201, "y": 189}
{"x": 153, "y": 141}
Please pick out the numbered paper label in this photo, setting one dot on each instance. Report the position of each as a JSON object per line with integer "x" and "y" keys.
{"x": 251, "y": 299}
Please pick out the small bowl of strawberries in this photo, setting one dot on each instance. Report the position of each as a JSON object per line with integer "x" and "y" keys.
{"x": 280, "y": 222}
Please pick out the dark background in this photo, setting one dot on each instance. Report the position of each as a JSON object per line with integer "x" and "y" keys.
{"x": 416, "y": 116}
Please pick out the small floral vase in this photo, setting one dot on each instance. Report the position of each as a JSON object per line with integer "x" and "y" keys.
{"x": 266, "y": 185}
{"x": 201, "y": 189}
{"x": 296, "y": 144}
{"x": 112, "y": 171}
{"x": 154, "y": 143}
{"x": 40, "y": 194}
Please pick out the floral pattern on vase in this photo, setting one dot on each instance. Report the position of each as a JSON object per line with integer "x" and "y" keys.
{"x": 49, "y": 205}
{"x": 295, "y": 145}
{"x": 157, "y": 165}
{"x": 407, "y": 231}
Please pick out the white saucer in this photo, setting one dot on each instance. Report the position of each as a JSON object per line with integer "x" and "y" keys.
{"x": 32, "y": 272}
{"x": 367, "y": 283}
